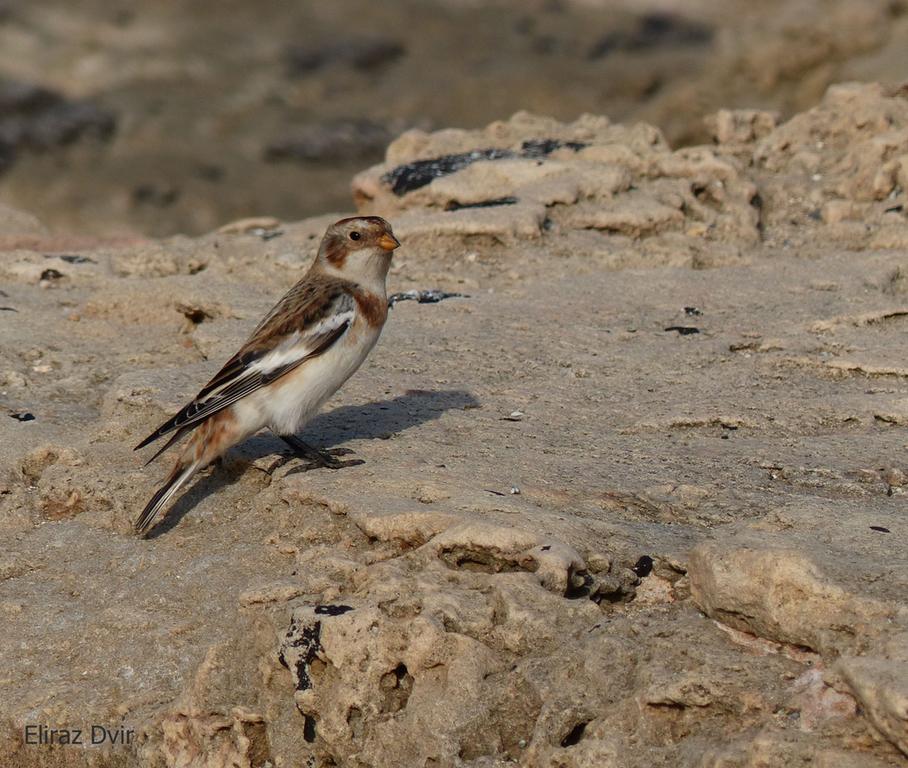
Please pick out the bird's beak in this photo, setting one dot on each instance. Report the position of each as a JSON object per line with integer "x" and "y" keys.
{"x": 388, "y": 242}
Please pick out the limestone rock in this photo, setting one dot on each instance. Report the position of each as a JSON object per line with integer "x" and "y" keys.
{"x": 781, "y": 595}
{"x": 882, "y": 688}
{"x": 589, "y": 174}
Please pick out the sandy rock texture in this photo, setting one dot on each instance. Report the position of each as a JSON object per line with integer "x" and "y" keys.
{"x": 637, "y": 498}
{"x": 239, "y": 108}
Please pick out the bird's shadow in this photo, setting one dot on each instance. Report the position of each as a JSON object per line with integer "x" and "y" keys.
{"x": 378, "y": 420}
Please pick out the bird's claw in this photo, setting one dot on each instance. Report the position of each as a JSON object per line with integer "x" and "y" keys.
{"x": 315, "y": 458}
{"x": 335, "y": 464}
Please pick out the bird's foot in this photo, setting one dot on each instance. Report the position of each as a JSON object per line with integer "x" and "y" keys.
{"x": 329, "y": 460}
{"x": 316, "y": 458}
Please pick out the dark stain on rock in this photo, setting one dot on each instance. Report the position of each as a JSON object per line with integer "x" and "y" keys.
{"x": 405, "y": 178}
{"x": 543, "y": 147}
{"x": 332, "y": 610}
{"x": 456, "y": 206}
{"x": 309, "y": 728}
{"x": 308, "y": 640}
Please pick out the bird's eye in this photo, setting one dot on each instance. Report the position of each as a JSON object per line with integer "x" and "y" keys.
{"x": 355, "y": 235}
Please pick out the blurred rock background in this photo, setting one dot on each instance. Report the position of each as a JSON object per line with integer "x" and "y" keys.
{"x": 157, "y": 117}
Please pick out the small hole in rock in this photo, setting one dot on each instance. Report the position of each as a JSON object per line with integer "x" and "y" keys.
{"x": 309, "y": 728}
{"x": 576, "y": 733}
{"x": 355, "y": 721}
{"x": 643, "y": 567}
{"x": 579, "y": 588}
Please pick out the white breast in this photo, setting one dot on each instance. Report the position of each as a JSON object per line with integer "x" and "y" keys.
{"x": 290, "y": 402}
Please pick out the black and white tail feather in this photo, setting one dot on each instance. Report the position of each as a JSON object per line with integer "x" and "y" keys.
{"x": 173, "y": 483}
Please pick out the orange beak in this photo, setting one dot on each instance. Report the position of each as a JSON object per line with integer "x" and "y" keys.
{"x": 388, "y": 242}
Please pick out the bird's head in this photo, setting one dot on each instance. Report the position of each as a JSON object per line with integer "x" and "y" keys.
{"x": 358, "y": 249}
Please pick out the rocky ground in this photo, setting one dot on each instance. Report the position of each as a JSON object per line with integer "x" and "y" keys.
{"x": 636, "y": 499}
{"x": 121, "y": 117}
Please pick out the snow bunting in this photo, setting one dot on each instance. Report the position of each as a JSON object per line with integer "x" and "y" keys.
{"x": 313, "y": 340}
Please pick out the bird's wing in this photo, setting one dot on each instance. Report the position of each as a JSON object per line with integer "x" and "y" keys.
{"x": 310, "y": 318}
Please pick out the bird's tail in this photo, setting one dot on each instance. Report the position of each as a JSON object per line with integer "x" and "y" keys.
{"x": 181, "y": 473}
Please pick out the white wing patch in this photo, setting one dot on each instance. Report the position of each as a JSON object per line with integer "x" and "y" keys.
{"x": 296, "y": 347}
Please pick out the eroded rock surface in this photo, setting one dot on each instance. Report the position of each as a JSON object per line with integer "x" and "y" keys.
{"x": 532, "y": 175}
{"x": 634, "y": 498}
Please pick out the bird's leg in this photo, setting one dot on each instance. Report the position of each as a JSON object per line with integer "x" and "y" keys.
{"x": 321, "y": 458}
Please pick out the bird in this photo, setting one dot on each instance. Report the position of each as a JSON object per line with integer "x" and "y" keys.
{"x": 297, "y": 357}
